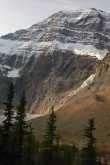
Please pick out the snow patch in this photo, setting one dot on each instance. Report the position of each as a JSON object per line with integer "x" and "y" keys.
{"x": 87, "y": 12}
{"x": 81, "y": 49}
{"x": 9, "y": 46}
{"x": 89, "y": 81}
{"x": 22, "y": 48}
{"x": 32, "y": 116}
{"x": 86, "y": 83}
{"x": 13, "y": 73}
{"x": 77, "y": 48}
{"x": 90, "y": 50}
{"x": 4, "y": 66}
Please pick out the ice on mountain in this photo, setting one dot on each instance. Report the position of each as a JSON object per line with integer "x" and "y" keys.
{"x": 88, "y": 81}
{"x": 85, "y": 84}
{"x": 9, "y": 46}
{"x": 13, "y": 73}
{"x": 81, "y": 49}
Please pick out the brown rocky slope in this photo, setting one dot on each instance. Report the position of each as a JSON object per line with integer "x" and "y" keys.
{"x": 91, "y": 101}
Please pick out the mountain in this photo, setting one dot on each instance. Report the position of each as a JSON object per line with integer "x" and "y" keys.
{"x": 54, "y": 57}
{"x": 91, "y": 101}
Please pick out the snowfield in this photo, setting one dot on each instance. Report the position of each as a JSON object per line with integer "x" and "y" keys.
{"x": 9, "y": 47}
{"x": 13, "y": 73}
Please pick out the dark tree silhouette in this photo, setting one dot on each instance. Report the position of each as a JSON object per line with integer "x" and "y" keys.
{"x": 31, "y": 147}
{"x": 24, "y": 141}
{"x": 90, "y": 150}
{"x": 49, "y": 140}
{"x": 7, "y": 126}
{"x": 21, "y": 131}
{"x": 50, "y": 135}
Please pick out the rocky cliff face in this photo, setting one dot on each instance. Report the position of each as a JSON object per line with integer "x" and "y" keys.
{"x": 54, "y": 56}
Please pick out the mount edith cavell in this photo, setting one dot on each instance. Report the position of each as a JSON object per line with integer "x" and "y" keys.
{"x": 64, "y": 62}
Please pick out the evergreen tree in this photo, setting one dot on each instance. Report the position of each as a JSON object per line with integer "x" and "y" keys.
{"x": 8, "y": 114}
{"x": 48, "y": 151}
{"x": 7, "y": 127}
{"x": 20, "y": 131}
{"x": 31, "y": 147}
{"x": 90, "y": 150}
{"x": 25, "y": 147}
{"x": 50, "y": 135}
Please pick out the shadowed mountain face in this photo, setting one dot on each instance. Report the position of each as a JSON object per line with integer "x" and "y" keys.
{"x": 54, "y": 57}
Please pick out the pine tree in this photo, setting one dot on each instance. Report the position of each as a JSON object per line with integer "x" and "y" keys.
{"x": 49, "y": 139}
{"x": 25, "y": 147}
{"x": 7, "y": 127}
{"x": 20, "y": 131}
{"x": 50, "y": 135}
{"x": 31, "y": 147}
{"x": 9, "y": 115}
{"x": 90, "y": 150}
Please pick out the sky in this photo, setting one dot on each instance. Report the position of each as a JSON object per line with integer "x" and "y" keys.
{"x": 20, "y": 14}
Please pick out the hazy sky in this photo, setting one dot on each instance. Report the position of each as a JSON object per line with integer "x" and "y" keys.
{"x": 17, "y": 14}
